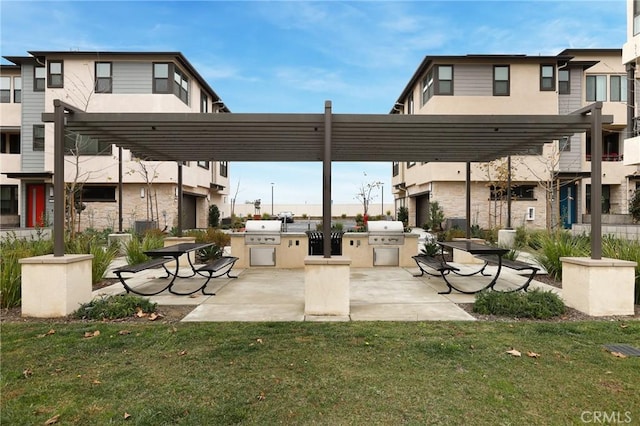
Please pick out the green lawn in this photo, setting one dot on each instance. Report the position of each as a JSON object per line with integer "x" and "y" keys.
{"x": 322, "y": 373}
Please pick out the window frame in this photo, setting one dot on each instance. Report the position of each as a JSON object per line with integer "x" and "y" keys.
{"x": 204, "y": 102}
{"x": 156, "y": 79}
{"x": 496, "y": 81}
{"x": 101, "y": 148}
{"x": 595, "y": 78}
{"x": 50, "y": 75}
{"x": 224, "y": 168}
{"x": 203, "y": 164}
{"x": 618, "y": 94}
{"x": 17, "y": 90}
{"x": 524, "y": 192}
{"x": 547, "y": 79}
{"x": 5, "y": 93}
{"x": 99, "y": 79}
{"x": 181, "y": 86}
{"x": 39, "y": 82}
{"x": 9, "y": 206}
{"x": 439, "y": 80}
{"x": 427, "y": 86}
{"x": 38, "y": 141}
{"x": 89, "y": 189}
{"x": 564, "y": 86}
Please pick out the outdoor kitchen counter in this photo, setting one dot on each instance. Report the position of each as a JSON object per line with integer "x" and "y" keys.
{"x": 294, "y": 246}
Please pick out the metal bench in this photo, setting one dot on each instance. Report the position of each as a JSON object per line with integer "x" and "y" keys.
{"x": 441, "y": 266}
{"x": 516, "y": 265}
{"x": 215, "y": 268}
{"x": 138, "y": 267}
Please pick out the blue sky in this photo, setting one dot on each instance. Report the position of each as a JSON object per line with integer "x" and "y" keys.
{"x": 292, "y": 56}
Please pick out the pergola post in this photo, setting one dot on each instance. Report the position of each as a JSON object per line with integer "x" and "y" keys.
{"x": 326, "y": 182}
{"x": 596, "y": 181}
{"x": 179, "y": 200}
{"x": 58, "y": 178}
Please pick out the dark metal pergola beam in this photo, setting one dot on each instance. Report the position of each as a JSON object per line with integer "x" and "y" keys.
{"x": 324, "y": 137}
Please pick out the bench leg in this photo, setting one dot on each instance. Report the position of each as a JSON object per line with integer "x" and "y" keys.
{"x": 128, "y": 289}
{"x": 480, "y": 271}
{"x": 225, "y": 271}
{"x": 524, "y": 286}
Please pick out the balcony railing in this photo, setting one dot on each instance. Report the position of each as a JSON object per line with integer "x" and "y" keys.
{"x": 611, "y": 156}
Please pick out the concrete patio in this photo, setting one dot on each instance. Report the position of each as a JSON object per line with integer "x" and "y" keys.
{"x": 270, "y": 294}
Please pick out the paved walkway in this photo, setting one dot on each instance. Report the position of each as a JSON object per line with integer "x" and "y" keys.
{"x": 269, "y": 294}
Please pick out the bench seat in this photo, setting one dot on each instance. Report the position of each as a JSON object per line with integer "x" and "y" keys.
{"x": 516, "y": 265}
{"x": 441, "y": 266}
{"x": 138, "y": 267}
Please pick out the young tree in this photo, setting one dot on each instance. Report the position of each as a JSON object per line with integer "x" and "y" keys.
{"x": 365, "y": 195}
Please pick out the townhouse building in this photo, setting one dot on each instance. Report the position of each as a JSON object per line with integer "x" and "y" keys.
{"x": 102, "y": 82}
{"x": 549, "y": 188}
{"x": 631, "y": 58}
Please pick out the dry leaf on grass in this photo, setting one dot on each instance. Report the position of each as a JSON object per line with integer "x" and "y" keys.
{"x": 96, "y": 382}
{"x": 514, "y": 352}
{"x": 124, "y": 332}
{"x": 140, "y": 313}
{"x": 90, "y": 334}
{"x": 259, "y": 341}
{"x": 27, "y": 372}
{"x": 182, "y": 353}
{"x": 126, "y": 415}
{"x": 618, "y": 355}
{"x": 53, "y": 420}
{"x": 48, "y": 333}
{"x": 154, "y": 316}
{"x": 533, "y": 354}
{"x": 262, "y": 396}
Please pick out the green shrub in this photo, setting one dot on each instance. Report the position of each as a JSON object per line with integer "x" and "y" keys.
{"x": 555, "y": 245}
{"x": 210, "y": 235}
{"x": 624, "y": 250}
{"x": 521, "y": 239}
{"x": 214, "y": 216}
{"x": 14, "y": 249}
{"x": 535, "y": 304}
{"x": 114, "y": 307}
{"x": 430, "y": 248}
{"x": 135, "y": 248}
{"x": 93, "y": 243}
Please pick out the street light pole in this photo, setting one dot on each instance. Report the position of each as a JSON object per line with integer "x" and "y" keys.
{"x": 272, "y": 198}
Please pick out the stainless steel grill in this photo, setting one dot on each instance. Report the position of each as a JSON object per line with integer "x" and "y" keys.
{"x": 261, "y": 232}
{"x": 386, "y": 232}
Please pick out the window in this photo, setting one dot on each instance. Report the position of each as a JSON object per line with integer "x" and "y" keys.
{"x": 204, "y": 103}
{"x": 427, "y": 87}
{"x": 5, "y": 90}
{"x": 17, "y": 89}
{"x": 203, "y": 164}
{"x": 606, "y": 199}
{"x": 224, "y": 169}
{"x": 161, "y": 78}
{"x": 38, "y": 79}
{"x": 98, "y": 193}
{"x": 618, "y": 87}
{"x": 104, "y": 79}
{"x": 10, "y": 143}
{"x": 501, "y": 80}
{"x": 596, "y": 88}
{"x": 610, "y": 147}
{"x": 445, "y": 80}
{"x": 636, "y": 17}
{"x": 38, "y": 137}
{"x": 54, "y": 74}
{"x": 547, "y": 77}
{"x": 410, "y": 164}
{"x": 565, "y": 144}
{"x": 518, "y": 192}
{"x": 564, "y": 80}
{"x": 9, "y": 199}
{"x": 181, "y": 85}
{"x": 75, "y": 144}
{"x": 161, "y": 84}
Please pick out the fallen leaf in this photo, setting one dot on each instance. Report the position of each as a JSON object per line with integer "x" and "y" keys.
{"x": 27, "y": 372}
{"x": 261, "y": 397}
{"x": 618, "y": 355}
{"x": 533, "y": 354}
{"x": 52, "y": 420}
{"x": 124, "y": 332}
{"x": 514, "y": 352}
{"x": 140, "y": 313}
{"x": 259, "y": 341}
{"x": 624, "y": 325}
{"x": 126, "y": 415}
{"x": 193, "y": 296}
{"x": 182, "y": 353}
{"x": 96, "y": 382}
{"x": 154, "y": 316}
{"x": 90, "y": 334}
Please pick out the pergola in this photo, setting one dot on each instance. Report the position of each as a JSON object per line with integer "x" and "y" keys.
{"x": 326, "y": 137}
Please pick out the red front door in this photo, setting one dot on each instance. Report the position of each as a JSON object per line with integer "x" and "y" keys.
{"x": 35, "y": 205}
